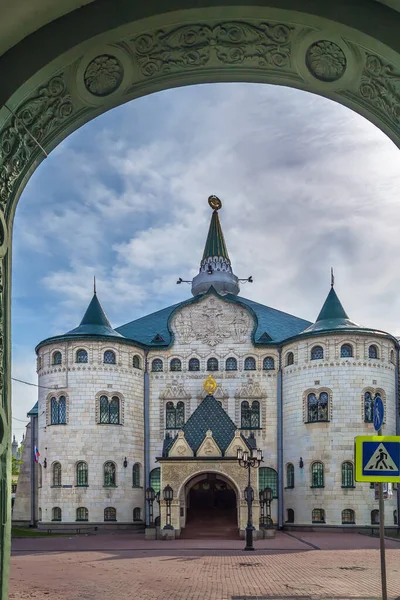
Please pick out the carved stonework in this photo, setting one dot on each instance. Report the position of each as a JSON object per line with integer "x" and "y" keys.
{"x": 236, "y": 444}
{"x": 326, "y": 60}
{"x": 209, "y": 446}
{"x": 232, "y": 43}
{"x": 175, "y": 391}
{"x": 211, "y": 321}
{"x": 180, "y": 447}
{"x": 380, "y": 87}
{"x": 103, "y": 75}
{"x": 250, "y": 389}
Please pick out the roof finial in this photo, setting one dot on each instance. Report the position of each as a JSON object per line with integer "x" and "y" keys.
{"x": 214, "y": 202}
{"x": 332, "y": 278}
{"x": 94, "y": 284}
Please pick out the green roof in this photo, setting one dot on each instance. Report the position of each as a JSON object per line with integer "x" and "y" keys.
{"x": 34, "y": 410}
{"x": 332, "y": 316}
{"x": 215, "y": 244}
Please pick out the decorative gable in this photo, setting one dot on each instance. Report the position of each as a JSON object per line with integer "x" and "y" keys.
{"x": 250, "y": 389}
{"x": 236, "y": 444}
{"x": 175, "y": 391}
{"x": 180, "y": 447}
{"x": 209, "y": 446}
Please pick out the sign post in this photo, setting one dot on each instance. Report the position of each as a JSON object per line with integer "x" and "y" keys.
{"x": 382, "y": 535}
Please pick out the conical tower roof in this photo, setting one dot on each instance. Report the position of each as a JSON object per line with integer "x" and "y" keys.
{"x": 332, "y": 316}
{"x": 94, "y": 321}
{"x": 215, "y": 244}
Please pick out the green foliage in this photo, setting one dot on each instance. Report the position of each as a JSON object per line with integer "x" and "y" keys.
{"x": 16, "y": 464}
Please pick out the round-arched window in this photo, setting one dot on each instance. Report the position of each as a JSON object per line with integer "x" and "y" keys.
{"x": 290, "y": 359}
{"x": 109, "y": 357}
{"x": 250, "y": 364}
{"x": 317, "y": 353}
{"x": 212, "y": 364}
{"x": 81, "y": 356}
{"x": 268, "y": 363}
{"x": 136, "y": 362}
{"x": 157, "y": 365}
{"x": 194, "y": 364}
{"x": 231, "y": 364}
{"x": 175, "y": 365}
{"x": 57, "y": 358}
{"x": 346, "y": 351}
{"x": 373, "y": 351}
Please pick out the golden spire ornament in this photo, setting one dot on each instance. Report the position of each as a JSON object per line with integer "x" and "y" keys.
{"x": 210, "y": 385}
{"x": 214, "y": 202}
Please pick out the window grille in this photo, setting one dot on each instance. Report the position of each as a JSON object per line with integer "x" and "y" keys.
{"x": 175, "y": 365}
{"x": 56, "y": 474}
{"x": 212, "y": 364}
{"x": 81, "y": 474}
{"x": 290, "y": 475}
{"x": 58, "y": 410}
{"x": 82, "y": 514}
{"x": 317, "y": 408}
{"x": 136, "y": 362}
{"x": 268, "y": 363}
{"x": 155, "y": 477}
{"x": 290, "y": 359}
{"x": 110, "y": 514}
{"x": 231, "y": 364}
{"x": 373, "y": 351}
{"x": 56, "y": 514}
{"x": 136, "y": 475}
{"x": 157, "y": 365}
{"x": 194, "y": 364}
{"x": 250, "y": 364}
{"x": 109, "y": 474}
{"x": 346, "y": 351}
{"x": 57, "y": 358}
{"x": 347, "y": 474}
{"x": 317, "y": 353}
{"x": 180, "y": 414}
{"x": 109, "y": 357}
{"x": 318, "y": 515}
{"x": 317, "y": 475}
{"x": 348, "y": 516}
{"x": 109, "y": 410}
{"x": 81, "y": 356}
{"x": 268, "y": 477}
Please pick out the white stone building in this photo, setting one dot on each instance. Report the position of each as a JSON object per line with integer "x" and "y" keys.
{"x": 121, "y": 410}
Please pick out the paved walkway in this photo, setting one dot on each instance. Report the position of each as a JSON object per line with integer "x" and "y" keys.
{"x": 124, "y": 566}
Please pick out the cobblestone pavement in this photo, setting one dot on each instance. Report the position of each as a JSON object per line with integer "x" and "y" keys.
{"x": 124, "y": 566}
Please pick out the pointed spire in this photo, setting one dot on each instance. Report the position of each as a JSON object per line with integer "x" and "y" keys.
{"x": 332, "y": 308}
{"x": 332, "y": 315}
{"x": 94, "y": 320}
{"x": 332, "y": 278}
{"x": 215, "y": 244}
{"x": 94, "y": 285}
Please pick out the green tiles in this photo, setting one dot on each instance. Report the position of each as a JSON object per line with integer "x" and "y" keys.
{"x": 215, "y": 243}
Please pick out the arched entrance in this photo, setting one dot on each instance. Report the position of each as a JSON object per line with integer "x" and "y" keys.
{"x": 211, "y": 507}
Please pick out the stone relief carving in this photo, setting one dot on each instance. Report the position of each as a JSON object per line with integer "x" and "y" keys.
{"x": 326, "y": 60}
{"x": 380, "y": 87}
{"x": 103, "y": 75}
{"x": 175, "y": 391}
{"x": 250, "y": 389}
{"x": 211, "y": 321}
{"x": 231, "y": 43}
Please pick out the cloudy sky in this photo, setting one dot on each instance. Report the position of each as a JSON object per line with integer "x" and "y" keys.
{"x": 305, "y": 183}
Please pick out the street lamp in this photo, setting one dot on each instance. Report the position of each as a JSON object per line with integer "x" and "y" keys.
{"x": 268, "y": 499}
{"x": 150, "y": 495}
{"x": 263, "y": 501}
{"x": 168, "y": 494}
{"x": 249, "y": 460}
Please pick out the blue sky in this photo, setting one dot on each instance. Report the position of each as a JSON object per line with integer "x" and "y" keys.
{"x": 306, "y": 184}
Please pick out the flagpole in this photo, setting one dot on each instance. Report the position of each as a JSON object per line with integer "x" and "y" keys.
{"x": 382, "y": 537}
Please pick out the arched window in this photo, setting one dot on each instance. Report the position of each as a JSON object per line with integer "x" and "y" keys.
{"x": 250, "y": 364}
{"x": 250, "y": 415}
{"x": 392, "y": 356}
{"x": 110, "y": 514}
{"x": 82, "y": 474}
{"x": 136, "y": 362}
{"x": 155, "y": 477}
{"x": 194, "y": 364}
{"x": 157, "y": 365}
{"x": 268, "y": 363}
{"x": 212, "y": 364}
{"x": 40, "y": 514}
{"x": 289, "y": 475}
{"x": 290, "y": 515}
{"x": 170, "y": 415}
{"x": 40, "y": 475}
{"x": 57, "y": 358}
{"x": 136, "y": 475}
{"x": 82, "y": 514}
{"x": 109, "y": 475}
{"x": 180, "y": 414}
{"x": 109, "y": 357}
{"x": 81, "y": 356}
{"x": 56, "y": 514}
{"x": 109, "y": 410}
{"x": 318, "y": 515}
{"x": 56, "y": 474}
{"x": 346, "y": 351}
{"x": 58, "y": 410}
{"x": 231, "y": 364}
{"x": 317, "y": 475}
{"x": 317, "y": 353}
{"x": 289, "y": 359}
{"x": 375, "y": 517}
{"x": 347, "y": 474}
{"x": 373, "y": 351}
{"x": 348, "y": 516}
{"x": 368, "y": 408}
{"x": 136, "y": 514}
{"x": 395, "y": 517}
{"x": 317, "y": 407}
{"x": 255, "y": 415}
{"x": 268, "y": 478}
{"x": 175, "y": 365}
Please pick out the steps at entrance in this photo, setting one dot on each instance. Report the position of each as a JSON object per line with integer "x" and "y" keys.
{"x": 211, "y": 524}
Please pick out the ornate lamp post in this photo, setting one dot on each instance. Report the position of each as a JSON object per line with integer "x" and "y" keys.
{"x": 249, "y": 461}
{"x": 150, "y": 495}
{"x": 262, "y": 507}
{"x": 168, "y": 494}
{"x": 268, "y": 498}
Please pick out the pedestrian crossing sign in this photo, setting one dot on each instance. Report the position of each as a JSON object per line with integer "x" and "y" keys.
{"x": 377, "y": 458}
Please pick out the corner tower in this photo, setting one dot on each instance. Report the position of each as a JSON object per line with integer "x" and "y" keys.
{"x": 215, "y": 267}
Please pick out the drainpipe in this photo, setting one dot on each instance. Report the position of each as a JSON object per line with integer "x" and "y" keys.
{"x": 33, "y": 471}
{"x": 397, "y": 428}
{"x": 280, "y": 442}
{"x": 146, "y": 417}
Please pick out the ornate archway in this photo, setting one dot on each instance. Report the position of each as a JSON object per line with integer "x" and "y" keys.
{"x": 64, "y": 71}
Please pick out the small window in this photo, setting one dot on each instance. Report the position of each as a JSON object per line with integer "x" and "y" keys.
{"x": 155, "y": 478}
{"x": 395, "y": 517}
{"x": 81, "y": 356}
{"x": 348, "y": 517}
{"x": 290, "y": 515}
{"x": 136, "y": 362}
{"x": 250, "y": 364}
{"x": 194, "y": 364}
{"x": 346, "y": 351}
{"x": 56, "y": 474}
{"x": 392, "y": 356}
{"x": 109, "y": 357}
{"x": 157, "y": 365}
{"x": 231, "y": 364}
{"x": 317, "y": 353}
{"x": 82, "y": 514}
{"x": 175, "y": 365}
{"x": 268, "y": 363}
{"x": 317, "y": 407}
{"x": 375, "y": 517}
{"x": 212, "y": 364}
{"x": 136, "y": 475}
{"x": 318, "y": 515}
{"x": 268, "y": 478}
{"x": 109, "y": 474}
{"x": 290, "y": 359}
{"x": 290, "y": 475}
{"x": 373, "y": 351}
{"x": 109, "y": 410}
{"x": 57, "y": 358}
{"x": 56, "y": 514}
{"x": 250, "y": 415}
{"x": 136, "y": 514}
{"x": 82, "y": 474}
{"x": 317, "y": 475}
{"x": 110, "y": 514}
{"x": 40, "y": 514}
{"x": 347, "y": 474}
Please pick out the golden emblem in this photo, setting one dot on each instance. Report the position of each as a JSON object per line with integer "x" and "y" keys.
{"x": 210, "y": 385}
{"x": 214, "y": 202}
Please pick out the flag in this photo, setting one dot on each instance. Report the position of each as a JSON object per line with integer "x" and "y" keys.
{"x": 36, "y": 454}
